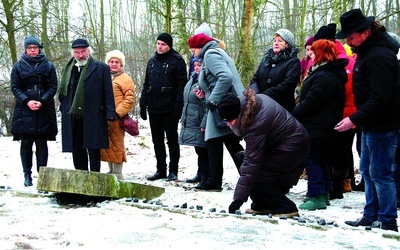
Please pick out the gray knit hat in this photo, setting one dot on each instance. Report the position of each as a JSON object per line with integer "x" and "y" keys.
{"x": 204, "y": 28}
{"x": 286, "y": 35}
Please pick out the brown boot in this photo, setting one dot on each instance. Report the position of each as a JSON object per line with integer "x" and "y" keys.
{"x": 347, "y": 185}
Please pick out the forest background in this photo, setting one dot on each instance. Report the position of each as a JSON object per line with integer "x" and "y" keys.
{"x": 246, "y": 26}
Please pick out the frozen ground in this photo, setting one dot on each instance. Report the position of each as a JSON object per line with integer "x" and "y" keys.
{"x": 29, "y": 220}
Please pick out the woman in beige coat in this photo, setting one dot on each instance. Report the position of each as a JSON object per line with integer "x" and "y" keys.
{"x": 124, "y": 96}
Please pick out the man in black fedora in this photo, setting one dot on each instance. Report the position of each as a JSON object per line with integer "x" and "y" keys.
{"x": 87, "y": 102}
{"x": 376, "y": 96}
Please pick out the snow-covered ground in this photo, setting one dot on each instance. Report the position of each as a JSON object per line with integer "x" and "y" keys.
{"x": 29, "y": 220}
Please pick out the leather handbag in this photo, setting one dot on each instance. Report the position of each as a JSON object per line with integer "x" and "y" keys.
{"x": 130, "y": 125}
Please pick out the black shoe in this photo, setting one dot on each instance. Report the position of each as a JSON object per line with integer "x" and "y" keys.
{"x": 157, "y": 176}
{"x": 363, "y": 221}
{"x": 208, "y": 187}
{"x": 384, "y": 226}
{"x": 172, "y": 176}
{"x": 196, "y": 178}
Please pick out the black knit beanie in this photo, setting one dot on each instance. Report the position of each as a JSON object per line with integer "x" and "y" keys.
{"x": 166, "y": 38}
{"x": 229, "y": 107}
{"x": 31, "y": 40}
{"x": 326, "y": 32}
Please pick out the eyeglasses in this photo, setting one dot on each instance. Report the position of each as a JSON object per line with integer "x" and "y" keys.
{"x": 32, "y": 47}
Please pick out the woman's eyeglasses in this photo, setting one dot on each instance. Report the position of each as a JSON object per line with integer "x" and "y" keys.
{"x": 32, "y": 47}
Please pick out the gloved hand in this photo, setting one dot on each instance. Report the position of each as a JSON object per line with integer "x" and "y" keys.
{"x": 210, "y": 106}
{"x": 235, "y": 205}
{"x": 143, "y": 113}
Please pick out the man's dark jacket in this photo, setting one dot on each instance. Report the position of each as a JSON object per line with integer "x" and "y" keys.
{"x": 376, "y": 85}
{"x": 165, "y": 79}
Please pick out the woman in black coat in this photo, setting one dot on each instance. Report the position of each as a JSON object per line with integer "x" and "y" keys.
{"x": 34, "y": 84}
{"x": 279, "y": 70}
{"x": 276, "y": 146}
{"x": 321, "y": 105}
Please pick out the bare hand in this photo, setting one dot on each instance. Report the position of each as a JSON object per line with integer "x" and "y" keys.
{"x": 34, "y": 105}
{"x": 199, "y": 93}
{"x": 344, "y": 125}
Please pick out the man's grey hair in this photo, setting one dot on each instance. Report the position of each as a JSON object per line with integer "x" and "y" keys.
{"x": 89, "y": 48}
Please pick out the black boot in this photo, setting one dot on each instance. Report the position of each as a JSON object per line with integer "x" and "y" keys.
{"x": 157, "y": 176}
{"x": 360, "y": 187}
{"x": 196, "y": 178}
{"x": 337, "y": 191}
{"x": 28, "y": 179}
{"x": 26, "y": 160}
{"x": 173, "y": 173}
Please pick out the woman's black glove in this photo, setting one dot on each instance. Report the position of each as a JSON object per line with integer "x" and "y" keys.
{"x": 210, "y": 106}
{"x": 235, "y": 205}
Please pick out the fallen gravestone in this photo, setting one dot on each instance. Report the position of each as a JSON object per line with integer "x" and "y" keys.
{"x": 96, "y": 184}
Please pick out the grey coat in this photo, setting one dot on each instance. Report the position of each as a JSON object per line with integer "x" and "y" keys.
{"x": 218, "y": 74}
{"x": 192, "y": 117}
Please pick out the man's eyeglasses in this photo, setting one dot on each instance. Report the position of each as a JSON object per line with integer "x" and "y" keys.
{"x": 32, "y": 47}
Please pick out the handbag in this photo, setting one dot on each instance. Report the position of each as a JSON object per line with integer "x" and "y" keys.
{"x": 130, "y": 125}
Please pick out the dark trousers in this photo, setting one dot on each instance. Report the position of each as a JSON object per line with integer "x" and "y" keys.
{"x": 79, "y": 153}
{"x": 202, "y": 160}
{"x": 168, "y": 124}
{"x": 397, "y": 168}
{"x": 216, "y": 155}
{"x": 340, "y": 157}
{"x": 271, "y": 196}
{"x": 26, "y": 152}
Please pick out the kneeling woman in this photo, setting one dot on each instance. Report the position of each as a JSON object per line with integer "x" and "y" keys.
{"x": 276, "y": 147}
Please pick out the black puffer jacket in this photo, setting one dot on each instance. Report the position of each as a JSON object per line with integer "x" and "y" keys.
{"x": 165, "y": 79}
{"x": 277, "y": 76}
{"x": 34, "y": 78}
{"x": 376, "y": 85}
{"x": 276, "y": 146}
{"x": 322, "y": 99}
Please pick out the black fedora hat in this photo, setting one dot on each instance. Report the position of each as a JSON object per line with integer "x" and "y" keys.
{"x": 352, "y": 21}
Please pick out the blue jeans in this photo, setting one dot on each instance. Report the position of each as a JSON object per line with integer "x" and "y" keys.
{"x": 377, "y": 169}
{"x": 317, "y": 169}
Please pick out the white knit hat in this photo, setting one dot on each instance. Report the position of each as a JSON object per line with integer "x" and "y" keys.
{"x": 204, "y": 28}
{"x": 286, "y": 35}
{"x": 116, "y": 54}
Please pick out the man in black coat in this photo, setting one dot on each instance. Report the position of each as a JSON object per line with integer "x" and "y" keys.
{"x": 276, "y": 147}
{"x": 377, "y": 98}
{"x": 87, "y": 102}
{"x": 162, "y": 96}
